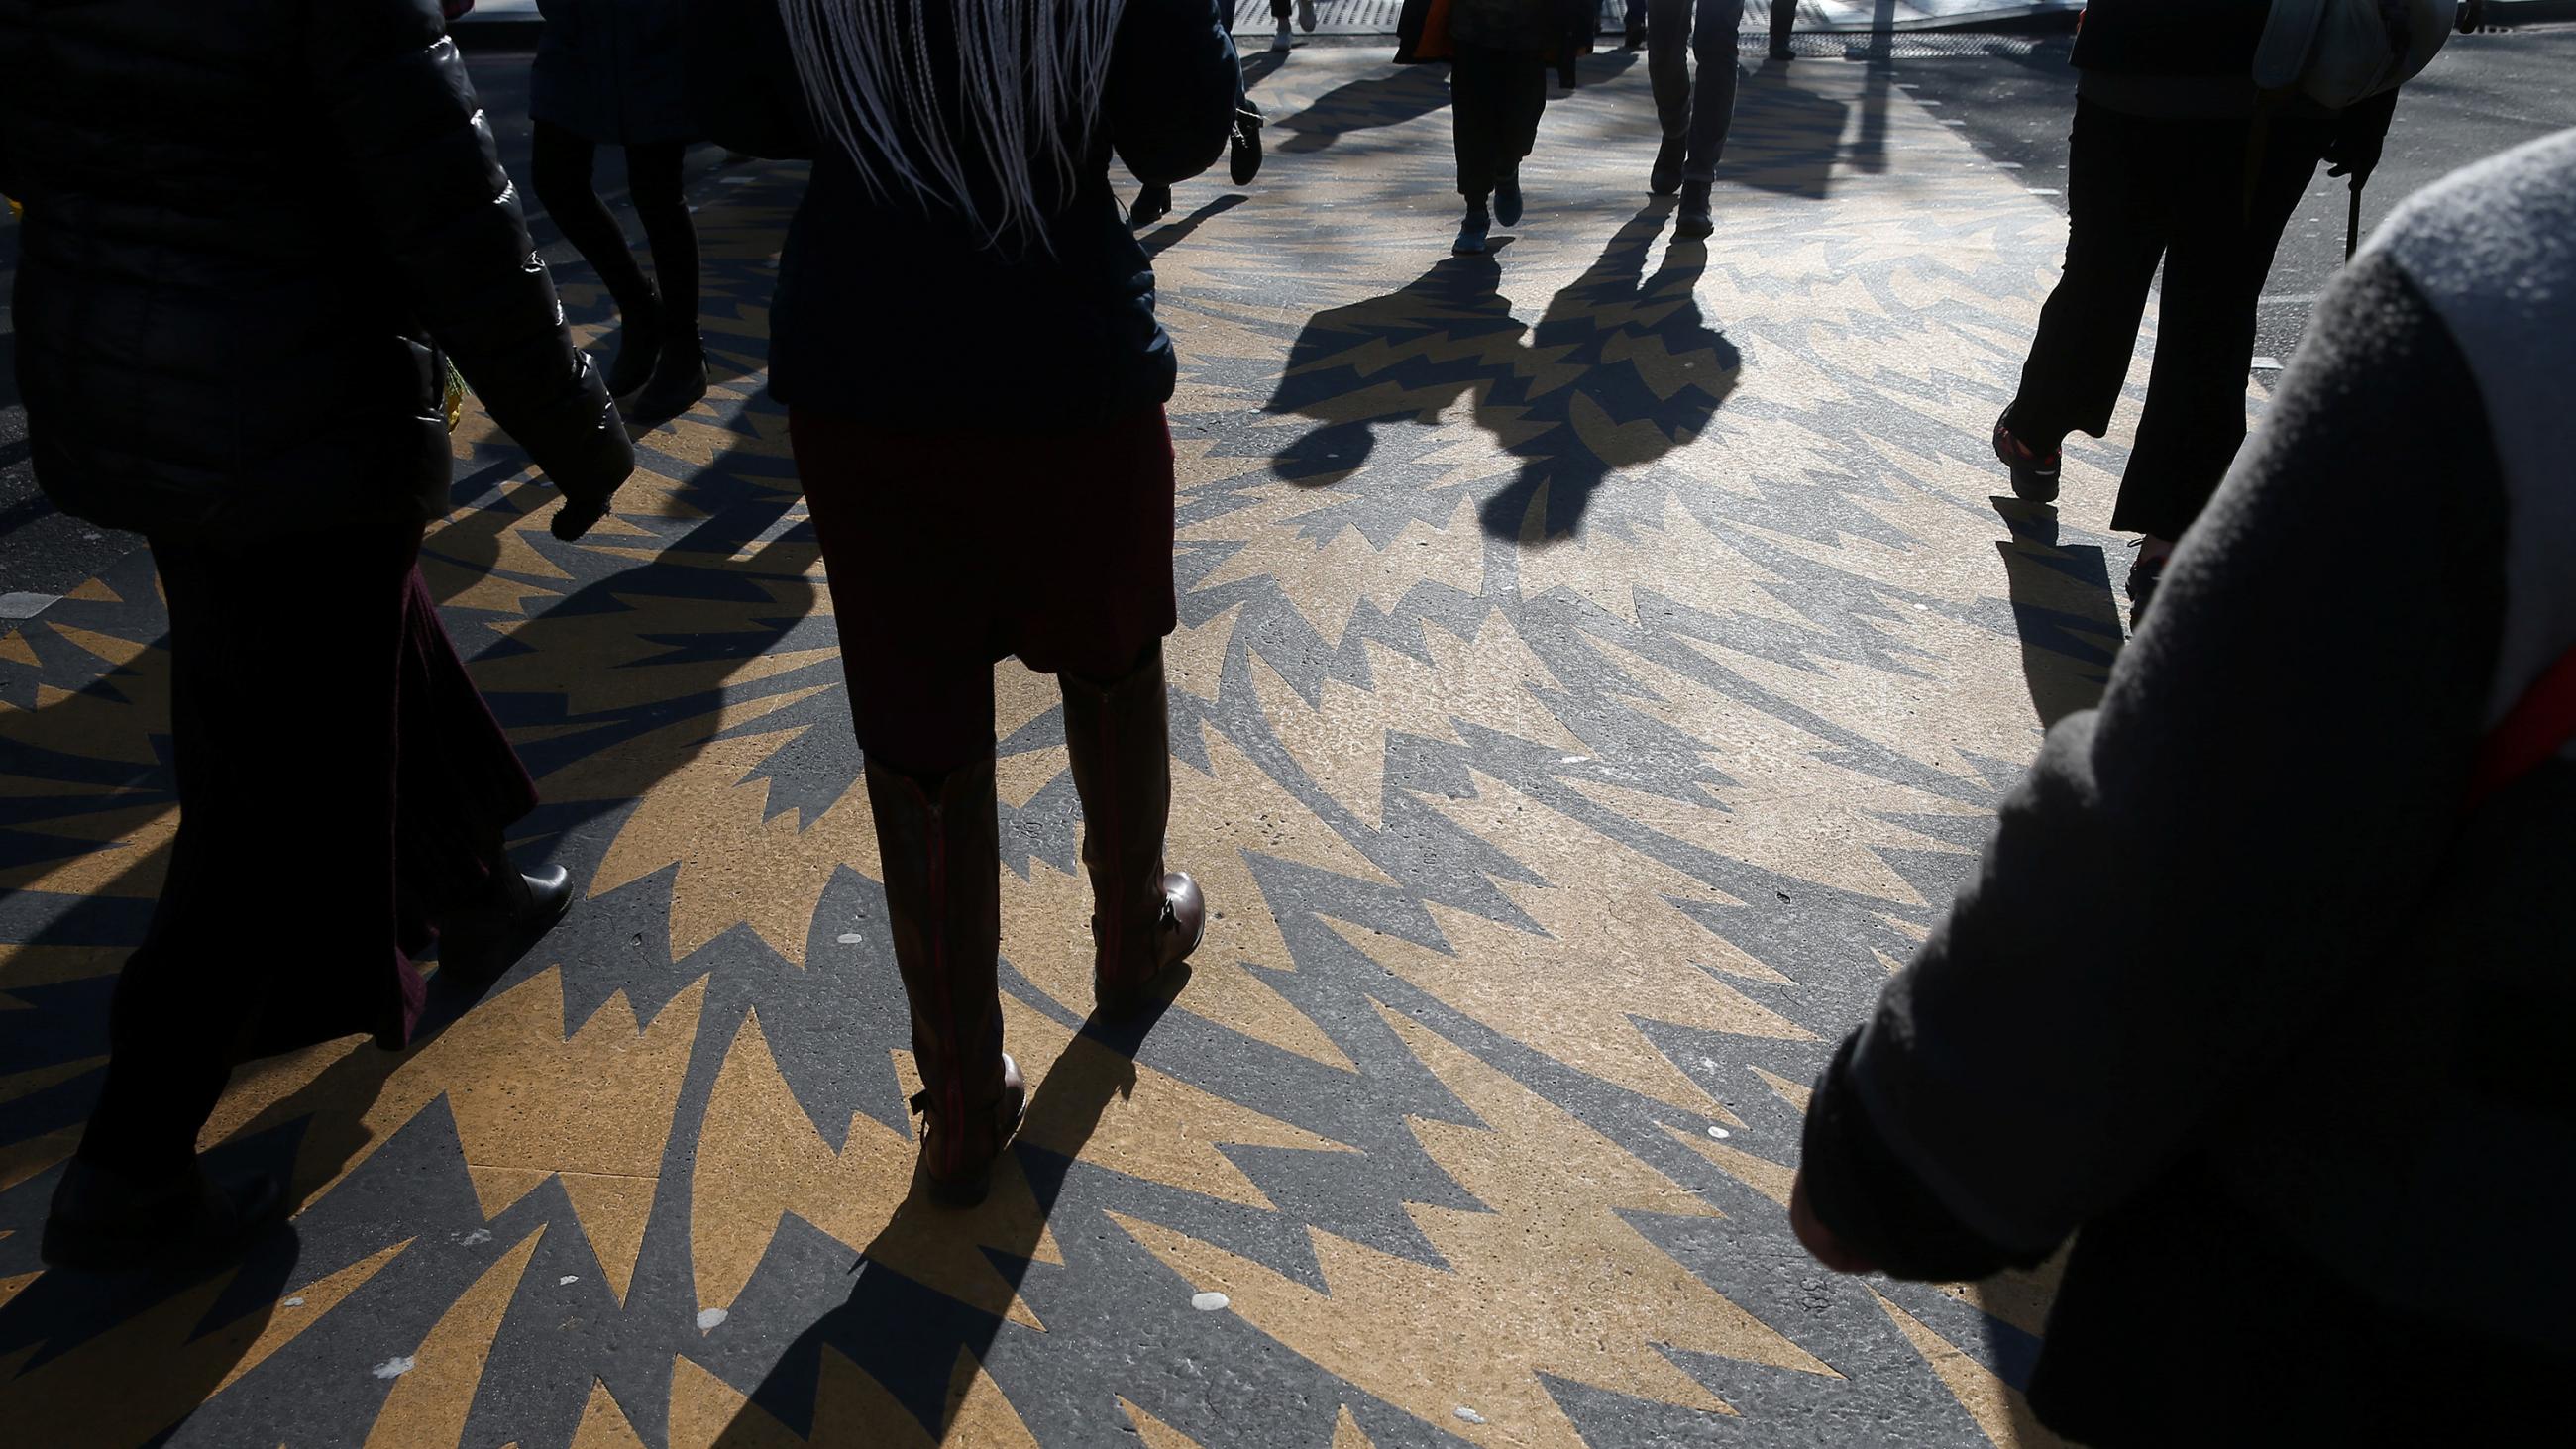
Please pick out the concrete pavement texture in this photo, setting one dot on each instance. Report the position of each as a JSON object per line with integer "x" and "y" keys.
{"x": 1599, "y": 662}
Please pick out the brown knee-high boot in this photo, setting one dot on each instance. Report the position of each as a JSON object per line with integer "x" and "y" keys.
{"x": 1143, "y": 917}
{"x": 939, "y": 841}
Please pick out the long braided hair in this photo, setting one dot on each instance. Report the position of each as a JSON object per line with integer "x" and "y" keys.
{"x": 1027, "y": 76}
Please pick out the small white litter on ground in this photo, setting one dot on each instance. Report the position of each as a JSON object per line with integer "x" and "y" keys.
{"x": 1575, "y": 760}
{"x": 709, "y": 1318}
{"x": 1719, "y": 1133}
{"x": 1209, "y": 1302}
{"x": 1468, "y": 1414}
{"x": 394, "y": 1368}
{"x": 2267, "y": 364}
{"x": 567, "y": 1279}
{"x": 852, "y": 939}
{"x": 293, "y": 1303}
{"x": 2043, "y": 191}
{"x": 479, "y": 1235}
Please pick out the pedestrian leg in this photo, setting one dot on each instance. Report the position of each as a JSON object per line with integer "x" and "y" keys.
{"x": 653, "y": 182}
{"x": 1784, "y": 18}
{"x": 1712, "y": 92}
{"x": 1668, "y": 36}
{"x": 2119, "y": 169}
{"x": 561, "y": 171}
{"x": 2194, "y": 418}
{"x": 914, "y": 637}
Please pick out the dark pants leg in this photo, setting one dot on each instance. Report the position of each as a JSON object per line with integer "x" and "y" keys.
{"x": 303, "y": 827}
{"x": 1677, "y": 32}
{"x": 653, "y": 185}
{"x": 2218, "y": 255}
{"x": 1495, "y": 100}
{"x": 1784, "y": 19}
{"x": 560, "y": 168}
{"x": 2118, "y": 217}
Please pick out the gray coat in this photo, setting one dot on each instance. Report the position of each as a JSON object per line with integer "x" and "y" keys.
{"x": 2246, "y": 987}
{"x": 613, "y": 70}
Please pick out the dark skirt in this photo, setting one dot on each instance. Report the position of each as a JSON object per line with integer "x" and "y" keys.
{"x": 338, "y": 778}
{"x": 613, "y": 71}
{"x": 950, "y": 551}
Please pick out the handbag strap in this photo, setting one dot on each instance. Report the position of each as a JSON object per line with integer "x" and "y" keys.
{"x": 2533, "y": 730}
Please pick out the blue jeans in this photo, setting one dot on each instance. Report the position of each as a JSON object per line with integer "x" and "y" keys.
{"x": 1706, "y": 29}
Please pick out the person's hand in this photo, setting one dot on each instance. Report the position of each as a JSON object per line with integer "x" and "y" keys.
{"x": 1818, "y": 1239}
{"x": 2355, "y": 153}
{"x": 588, "y": 483}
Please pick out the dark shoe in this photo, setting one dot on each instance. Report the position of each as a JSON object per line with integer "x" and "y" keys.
{"x": 1780, "y": 51}
{"x": 639, "y": 347}
{"x": 2034, "y": 473}
{"x": 488, "y": 935}
{"x": 1144, "y": 918}
{"x": 939, "y": 840}
{"x": 1635, "y": 39}
{"x": 1507, "y": 198}
{"x": 1692, "y": 220}
{"x": 1280, "y": 40}
{"x": 105, "y": 1222}
{"x": 1306, "y": 16}
{"x": 1666, "y": 178}
{"x": 1153, "y": 203}
{"x": 1471, "y": 232}
{"x": 1243, "y": 148}
{"x": 679, "y": 380}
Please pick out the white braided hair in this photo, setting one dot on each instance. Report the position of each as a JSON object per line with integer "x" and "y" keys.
{"x": 1028, "y": 74}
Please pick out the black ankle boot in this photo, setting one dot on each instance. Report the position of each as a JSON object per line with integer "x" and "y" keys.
{"x": 639, "y": 346}
{"x": 1693, "y": 219}
{"x": 1666, "y": 178}
{"x": 679, "y": 380}
{"x": 1471, "y": 232}
{"x": 1507, "y": 198}
{"x": 486, "y": 936}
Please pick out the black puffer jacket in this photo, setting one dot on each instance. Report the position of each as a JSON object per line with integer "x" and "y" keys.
{"x": 245, "y": 224}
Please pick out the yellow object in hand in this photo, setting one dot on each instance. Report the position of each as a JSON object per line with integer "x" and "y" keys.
{"x": 455, "y": 396}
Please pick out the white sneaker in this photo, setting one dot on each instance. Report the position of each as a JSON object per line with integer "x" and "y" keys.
{"x": 1306, "y": 16}
{"x": 1280, "y": 40}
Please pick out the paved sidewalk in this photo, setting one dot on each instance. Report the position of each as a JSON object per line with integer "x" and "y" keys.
{"x": 1598, "y": 665}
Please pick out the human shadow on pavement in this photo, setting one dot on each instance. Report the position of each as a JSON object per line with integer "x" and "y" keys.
{"x": 1620, "y": 370}
{"x": 2063, "y": 607}
{"x": 921, "y": 1345}
{"x": 1178, "y": 230}
{"x": 1369, "y": 103}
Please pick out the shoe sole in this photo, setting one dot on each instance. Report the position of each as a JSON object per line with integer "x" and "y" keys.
{"x": 1694, "y": 231}
{"x": 2033, "y": 486}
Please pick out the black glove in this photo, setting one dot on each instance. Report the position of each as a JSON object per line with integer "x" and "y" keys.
{"x": 2360, "y": 132}
{"x": 591, "y": 479}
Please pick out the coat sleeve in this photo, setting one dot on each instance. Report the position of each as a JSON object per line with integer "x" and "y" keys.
{"x": 2189, "y": 874}
{"x": 397, "y": 103}
{"x": 1174, "y": 86}
{"x": 744, "y": 92}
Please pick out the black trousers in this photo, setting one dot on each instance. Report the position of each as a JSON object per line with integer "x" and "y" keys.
{"x": 562, "y": 163}
{"x": 338, "y": 782}
{"x": 1495, "y": 99}
{"x": 2140, "y": 190}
